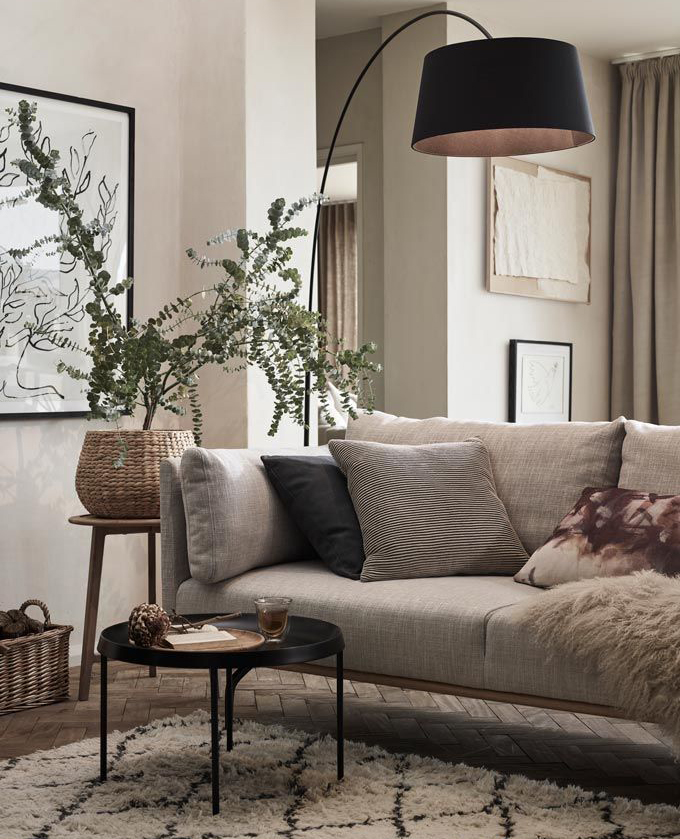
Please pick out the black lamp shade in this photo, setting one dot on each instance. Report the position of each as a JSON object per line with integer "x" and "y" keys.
{"x": 500, "y": 97}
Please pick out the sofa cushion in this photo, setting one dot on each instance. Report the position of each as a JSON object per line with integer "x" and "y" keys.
{"x": 235, "y": 521}
{"x": 540, "y": 470}
{"x": 314, "y": 491}
{"x": 651, "y": 458}
{"x": 610, "y": 532}
{"x": 428, "y": 511}
{"x": 516, "y": 661}
{"x": 430, "y": 629}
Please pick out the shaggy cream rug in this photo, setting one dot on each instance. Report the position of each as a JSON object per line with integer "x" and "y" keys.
{"x": 629, "y": 629}
{"x": 278, "y": 783}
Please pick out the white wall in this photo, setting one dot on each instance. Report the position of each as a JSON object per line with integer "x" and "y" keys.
{"x": 341, "y": 184}
{"x": 339, "y": 60}
{"x": 280, "y": 156}
{"x": 481, "y": 324}
{"x": 247, "y": 96}
{"x": 445, "y": 337}
{"x": 182, "y": 66}
{"x": 124, "y": 53}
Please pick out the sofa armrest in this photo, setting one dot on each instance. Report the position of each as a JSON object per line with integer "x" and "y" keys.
{"x": 174, "y": 557}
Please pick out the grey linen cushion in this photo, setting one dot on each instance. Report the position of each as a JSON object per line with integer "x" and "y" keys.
{"x": 235, "y": 521}
{"x": 428, "y": 511}
{"x": 540, "y": 470}
{"x": 651, "y": 458}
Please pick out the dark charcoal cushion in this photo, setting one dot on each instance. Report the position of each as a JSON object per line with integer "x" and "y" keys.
{"x": 608, "y": 533}
{"x": 428, "y": 511}
{"x": 314, "y": 491}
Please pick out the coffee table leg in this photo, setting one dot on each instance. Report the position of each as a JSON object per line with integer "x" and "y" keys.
{"x": 103, "y": 719}
{"x": 340, "y": 714}
{"x": 151, "y": 568}
{"x": 229, "y": 709}
{"x": 214, "y": 741}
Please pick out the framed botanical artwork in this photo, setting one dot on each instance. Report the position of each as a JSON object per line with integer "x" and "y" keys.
{"x": 540, "y": 381}
{"x": 44, "y": 293}
{"x": 538, "y": 231}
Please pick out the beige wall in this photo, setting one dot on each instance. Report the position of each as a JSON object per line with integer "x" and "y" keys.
{"x": 415, "y": 233}
{"x": 182, "y": 66}
{"x": 339, "y": 61}
{"x": 212, "y": 103}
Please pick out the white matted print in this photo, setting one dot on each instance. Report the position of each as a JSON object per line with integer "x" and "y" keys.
{"x": 540, "y": 382}
{"x": 46, "y": 292}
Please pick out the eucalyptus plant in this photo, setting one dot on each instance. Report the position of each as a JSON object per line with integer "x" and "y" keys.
{"x": 247, "y": 314}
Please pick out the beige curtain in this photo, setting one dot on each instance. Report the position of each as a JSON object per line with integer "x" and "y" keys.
{"x": 646, "y": 333}
{"x": 338, "y": 271}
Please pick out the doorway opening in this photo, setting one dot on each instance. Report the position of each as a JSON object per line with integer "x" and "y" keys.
{"x": 339, "y": 266}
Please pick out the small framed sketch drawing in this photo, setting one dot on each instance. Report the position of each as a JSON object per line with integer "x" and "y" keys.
{"x": 540, "y": 381}
{"x": 44, "y": 292}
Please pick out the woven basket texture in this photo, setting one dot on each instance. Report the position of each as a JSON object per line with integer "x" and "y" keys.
{"x": 34, "y": 669}
{"x": 130, "y": 491}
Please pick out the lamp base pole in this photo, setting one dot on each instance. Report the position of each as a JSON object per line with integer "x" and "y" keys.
{"x": 308, "y": 383}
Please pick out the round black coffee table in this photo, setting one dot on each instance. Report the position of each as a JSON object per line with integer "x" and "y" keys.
{"x": 308, "y": 639}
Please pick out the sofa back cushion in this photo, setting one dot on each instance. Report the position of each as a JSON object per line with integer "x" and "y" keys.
{"x": 235, "y": 521}
{"x": 651, "y": 458}
{"x": 428, "y": 511}
{"x": 314, "y": 492}
{"x": 540, "y": 470}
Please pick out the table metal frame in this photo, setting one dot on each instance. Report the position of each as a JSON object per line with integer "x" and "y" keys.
{"x": 236, "y": 665}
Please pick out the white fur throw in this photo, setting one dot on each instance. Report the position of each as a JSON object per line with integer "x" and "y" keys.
{"x": 629, "y": 627}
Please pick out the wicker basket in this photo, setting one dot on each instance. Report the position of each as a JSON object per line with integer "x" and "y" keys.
{"x": 34, "y": 668}
{"x": 131, "y": 491}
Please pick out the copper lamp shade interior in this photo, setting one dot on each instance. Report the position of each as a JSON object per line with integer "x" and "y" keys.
{"x": 500, "y": 97}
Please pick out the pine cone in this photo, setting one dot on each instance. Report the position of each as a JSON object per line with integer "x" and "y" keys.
{"x": 148, "y": 624}
{"x": 15, "y": 624}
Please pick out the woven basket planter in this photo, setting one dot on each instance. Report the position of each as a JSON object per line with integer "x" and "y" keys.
{"x": 131, "y": 491}
{"x": 34, "y": 669}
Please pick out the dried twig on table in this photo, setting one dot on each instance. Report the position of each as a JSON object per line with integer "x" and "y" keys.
{"x": 181, "y": 625}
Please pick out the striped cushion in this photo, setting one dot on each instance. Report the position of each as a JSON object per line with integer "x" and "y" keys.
{"x": 428, "y": 511}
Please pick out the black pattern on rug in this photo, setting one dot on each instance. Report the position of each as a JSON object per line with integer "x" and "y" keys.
{"x": 282, "y": 783}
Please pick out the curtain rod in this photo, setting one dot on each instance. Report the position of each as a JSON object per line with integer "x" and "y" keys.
{"x": 642, "y": 56}
{"x": 340, "y": 201}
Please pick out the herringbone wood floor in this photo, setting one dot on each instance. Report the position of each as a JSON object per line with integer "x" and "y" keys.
{"x": 624, "y": 758}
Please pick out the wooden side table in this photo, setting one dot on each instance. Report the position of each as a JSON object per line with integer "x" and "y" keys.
{"x": 101, "y": 528}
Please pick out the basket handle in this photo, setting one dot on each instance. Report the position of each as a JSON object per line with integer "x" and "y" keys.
{"x": 40, "y": 605}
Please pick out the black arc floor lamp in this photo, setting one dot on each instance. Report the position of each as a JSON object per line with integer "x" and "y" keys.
{"x": 485, "y": 98}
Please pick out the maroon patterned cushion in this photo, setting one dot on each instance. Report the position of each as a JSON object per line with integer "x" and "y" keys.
{"x": 609, "y": 532}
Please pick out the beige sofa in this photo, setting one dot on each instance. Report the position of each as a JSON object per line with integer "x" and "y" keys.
{"x": 227, "y": 540}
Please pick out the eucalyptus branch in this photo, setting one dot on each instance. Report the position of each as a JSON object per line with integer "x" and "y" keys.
{"x": 252, "y": 314}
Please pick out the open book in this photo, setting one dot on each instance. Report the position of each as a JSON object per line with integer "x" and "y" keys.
{"x": 196, "y": 638}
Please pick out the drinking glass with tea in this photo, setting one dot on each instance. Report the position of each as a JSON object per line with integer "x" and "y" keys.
{"x": 272, "y": 617}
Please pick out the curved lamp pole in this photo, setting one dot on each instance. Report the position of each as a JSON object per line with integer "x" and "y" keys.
{"x": 500, "y": 96}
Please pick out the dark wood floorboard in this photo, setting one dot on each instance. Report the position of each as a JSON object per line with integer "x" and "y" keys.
{"x": 620, "y": 757}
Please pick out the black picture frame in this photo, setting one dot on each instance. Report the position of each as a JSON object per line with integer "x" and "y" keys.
{"x": 513, "y": 391}
{"x": 28, "y": 92}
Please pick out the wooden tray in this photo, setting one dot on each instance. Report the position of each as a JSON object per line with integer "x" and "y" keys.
{"x": 245, "y": 640}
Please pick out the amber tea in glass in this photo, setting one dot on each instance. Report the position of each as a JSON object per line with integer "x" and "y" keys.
{"x": 272, "y": 617}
